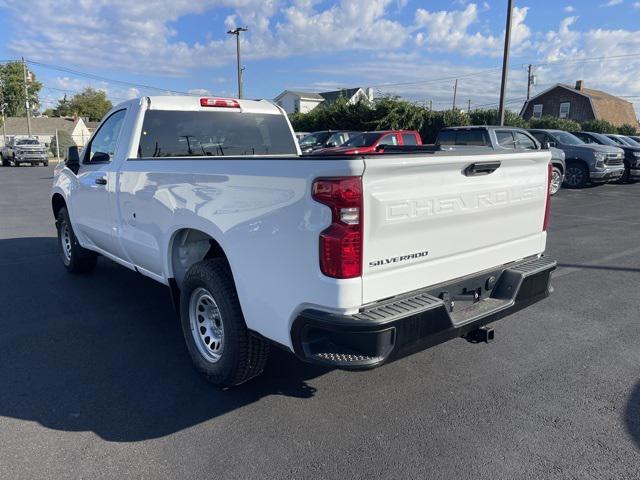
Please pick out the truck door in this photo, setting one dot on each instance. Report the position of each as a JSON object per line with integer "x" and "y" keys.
{"x": 92, "y": 212}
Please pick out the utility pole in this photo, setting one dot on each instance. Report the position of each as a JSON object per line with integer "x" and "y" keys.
{"x": 505, "y": 62}
{"x": 529, "y": 82}
{"x": 431, "y": 105}
{"x": 469, "y": 107}
{"x": 4, "y": 129}
{"x": 26, "y": 95}
{"x": 236, "y": 31}
{"x": 455, "y": 92}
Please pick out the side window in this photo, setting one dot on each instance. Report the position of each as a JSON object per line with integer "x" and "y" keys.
{"x": 537, "y": 111}
{"x": 446, "y": 137}
{"x": 103, "y": 145}
{"x": 476, "y": 138}
{"x": 541, "y": 137}
{"x": 584, "y": 138}
{"x": 525, "y": 141}
{"x": 564, "y": 109}
{"x": 505, "y": 139}
{"x": 409, "y": 139}
{"x": 389, "y": 139}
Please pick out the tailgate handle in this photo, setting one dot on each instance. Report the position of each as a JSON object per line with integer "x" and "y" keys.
{"x": 481, "y": 168}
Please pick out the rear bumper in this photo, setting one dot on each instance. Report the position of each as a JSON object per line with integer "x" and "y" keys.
{"x": 396, "y": 327}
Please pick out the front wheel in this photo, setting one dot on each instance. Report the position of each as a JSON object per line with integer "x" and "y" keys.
{"x": 219, "y": 343}
{"x": 75, "y": 258}
{"x": 556, "y": 180}
{"x": 576, "y": 176}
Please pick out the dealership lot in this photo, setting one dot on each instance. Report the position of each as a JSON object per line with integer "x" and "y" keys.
{"x": 95, "y": 380}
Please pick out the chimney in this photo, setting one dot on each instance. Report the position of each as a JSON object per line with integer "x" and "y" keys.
{"x": 579, "y": 85}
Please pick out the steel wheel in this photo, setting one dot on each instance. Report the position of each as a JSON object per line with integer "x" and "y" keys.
{"x": 206, "y": 325}
{"x": 556, "y": 181}
{"x": 65, "y": 240}
{"x": 574, "y": 177}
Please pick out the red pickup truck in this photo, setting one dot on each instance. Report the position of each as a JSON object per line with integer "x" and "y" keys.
{"x": 373, "y": 142}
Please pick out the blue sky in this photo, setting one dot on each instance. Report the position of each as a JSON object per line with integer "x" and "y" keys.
{"x": 405, "y": 47}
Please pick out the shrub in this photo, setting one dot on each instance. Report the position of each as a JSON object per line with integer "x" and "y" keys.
{"x": 490, "y": 117}
{"x": 554, "y": 123}
{"x": 627, "y": 129}
{"x": 66, "y": 141}
{"x": 599, "y": 126}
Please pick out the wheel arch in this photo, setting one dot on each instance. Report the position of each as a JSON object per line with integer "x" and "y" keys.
{"x": 188, "y": 246}
{"x": 57, "y": 203}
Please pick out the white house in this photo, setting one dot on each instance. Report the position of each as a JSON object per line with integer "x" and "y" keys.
{"x": 44, "y": 129}
{"x": 293, "y": 101}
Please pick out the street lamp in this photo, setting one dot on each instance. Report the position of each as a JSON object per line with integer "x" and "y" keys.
{"x": 236, "y": 31}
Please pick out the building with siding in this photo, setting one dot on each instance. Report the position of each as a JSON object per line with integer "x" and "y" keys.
{"x": 580, "y": 104}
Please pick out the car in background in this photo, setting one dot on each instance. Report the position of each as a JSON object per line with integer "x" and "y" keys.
{"x": 374, "y": 142}
{"x": 501, "y": 138}
{"x": 24, "y": 150}
{"x": 325, "y": 139}
{"x": 631, "y": 151}
{"x": 586, "y": 163}
{"x": 635, "y": 138}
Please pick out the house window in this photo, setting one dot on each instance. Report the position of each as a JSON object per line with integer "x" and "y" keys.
{"x": 564, "y": 109}
{"x": 537, "y": 111}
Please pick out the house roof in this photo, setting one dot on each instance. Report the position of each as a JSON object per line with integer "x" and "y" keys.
{"x": 606, "y": 106}
{"x": 92, "y": 125}
{"x": 302, "y": 95}
{"x": 39, "y": 125}
{"x": 334, "y": 95}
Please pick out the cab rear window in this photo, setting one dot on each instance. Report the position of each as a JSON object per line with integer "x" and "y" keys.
{"x": 477, "y": 138}
{"x": 195, "y": 134}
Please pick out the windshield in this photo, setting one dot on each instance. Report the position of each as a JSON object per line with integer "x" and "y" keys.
{"x": 27, "y": 141}
{"x": 624, "y": 141}
{"x": 318, "y": 138}
{"x": 604, "y": 140}
{"x": 183, "y": 134}
{"x": 567, "y": 138}
{"x": 632, "y": 141}
{"x": 362, "y": 140}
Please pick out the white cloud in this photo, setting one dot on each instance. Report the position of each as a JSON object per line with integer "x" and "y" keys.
{"x": 569, "y": 9}
{"x": 450, "y": 31}
{"x": 612, "y": 3}
{"x": 636, "y": 4}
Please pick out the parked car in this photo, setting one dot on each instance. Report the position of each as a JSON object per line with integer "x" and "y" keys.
{"x": 260, "y": 245}
{"x": 325, "y": 139}
{"x": 630, "y": 148}
{"x": 586, "y": 163}
{"x": 501, "y": 138}
{"x": 374, "y": 142}
{"x": 635, "y": 138}
{"x": 24, "y": 150}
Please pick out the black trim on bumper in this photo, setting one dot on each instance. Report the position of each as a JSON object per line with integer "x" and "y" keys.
{"x": 405, "y": 324}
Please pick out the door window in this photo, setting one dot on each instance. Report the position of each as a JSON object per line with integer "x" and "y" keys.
{"x": 409, "y": 139}
{"x": 505, "y": 139}
{"x": 389, "y": 139}
{"x": 103, "y": 145}
{"x": 525, "y": 142}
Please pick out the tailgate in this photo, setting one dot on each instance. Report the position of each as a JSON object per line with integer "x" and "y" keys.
{"x": 430, "y": 219}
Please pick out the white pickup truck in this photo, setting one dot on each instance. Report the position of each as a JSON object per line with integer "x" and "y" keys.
{"x": 347, "y": 261}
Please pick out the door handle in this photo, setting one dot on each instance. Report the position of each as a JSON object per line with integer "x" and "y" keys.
{"x": 481, "y": 168}
{"x": 100, "y": 181}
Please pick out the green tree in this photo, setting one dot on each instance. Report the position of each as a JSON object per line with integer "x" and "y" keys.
{"x": 555, "y": 123}
{"x": 90, "y": 103}
{"x": 12, "y": 90}
{"x": 599, "y": 126}
{"x": 65, "y": 140}
{"x": 490, "y": 117}
{"x": 64, "y": 108}
{"x": 627, "y": 129}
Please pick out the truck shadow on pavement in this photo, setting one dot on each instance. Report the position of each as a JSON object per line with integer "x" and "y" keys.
{"x": 632, "y": 415}
{"x": 104, "y": 352}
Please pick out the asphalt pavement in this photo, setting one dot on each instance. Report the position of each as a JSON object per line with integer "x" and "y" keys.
{"x": 95, "y": 381}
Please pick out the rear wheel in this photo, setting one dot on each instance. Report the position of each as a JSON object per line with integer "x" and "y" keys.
{"x": 576, "y": 176}
{"x": 220, "y": 345}
{"x": 556, "y": 180}
{"x": 75, "y": 258}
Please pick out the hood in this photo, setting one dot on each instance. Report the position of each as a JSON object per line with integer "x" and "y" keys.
{"x": 29, "y": 148}
{"x": 598, "y": 148}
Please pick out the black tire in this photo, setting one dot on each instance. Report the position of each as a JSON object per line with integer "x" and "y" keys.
{"x": 577, "y": 175}
{"x": 556, "y": 176}
{"x": 45, "y": 164}
{"x": 75, "y": 258}
{"x": 5, "y": 162}
{"x": 243, "y": 356}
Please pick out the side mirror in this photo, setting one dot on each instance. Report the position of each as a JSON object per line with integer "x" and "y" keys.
{"x": 73, "y": 159}
{"x": 331, "y": 145}
{"x": 380, "y": 148}
{"x": 548, "y": 145}
{"x": 100, "y": 157}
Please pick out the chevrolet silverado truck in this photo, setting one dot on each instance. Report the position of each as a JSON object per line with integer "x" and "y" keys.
{"x": 24, "y": 150}
{"x": 348, "y": 261}
{"x": 501, "y": 138}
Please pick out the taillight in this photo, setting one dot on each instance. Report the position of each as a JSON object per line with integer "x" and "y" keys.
{"x": 547, "y": 208}
{"x": 341, "y": 242}
{"x": 219, "y": 102}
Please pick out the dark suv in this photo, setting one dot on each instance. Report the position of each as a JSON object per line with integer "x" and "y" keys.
{"x": 631, "y": 151}
{"x": 501, "y": 138}
{"x": 586, "y": 162}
